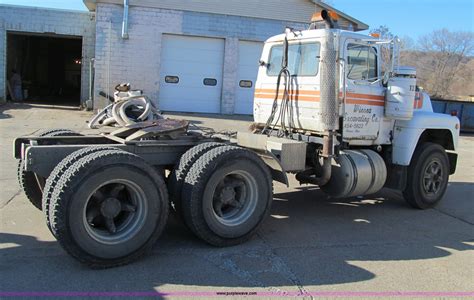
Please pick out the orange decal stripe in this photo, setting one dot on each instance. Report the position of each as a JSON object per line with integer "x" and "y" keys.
{"x": 292, "y": 97}
{"x": 296, "y": 92}
{"x": 418, "y": 101}
{"x": 365, "y": 96}
{"x": 364, "y": 102}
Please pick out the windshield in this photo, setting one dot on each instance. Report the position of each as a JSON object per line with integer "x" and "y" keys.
{"x": 303, "y": 59}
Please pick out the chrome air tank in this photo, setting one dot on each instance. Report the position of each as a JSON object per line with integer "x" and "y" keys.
{"x": 356, "y": 173}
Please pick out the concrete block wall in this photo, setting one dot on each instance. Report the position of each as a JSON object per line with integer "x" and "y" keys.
{"x": 137, "y": 59}
{"x": 53, "y": 22}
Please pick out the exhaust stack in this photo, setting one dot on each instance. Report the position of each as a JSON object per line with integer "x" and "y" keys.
{"x": 324, "y": 19}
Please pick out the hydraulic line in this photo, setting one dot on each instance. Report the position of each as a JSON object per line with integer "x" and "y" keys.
{"x": 286, "y": 108}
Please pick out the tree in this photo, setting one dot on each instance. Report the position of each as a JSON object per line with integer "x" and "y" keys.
{"x": 384, "y": 32}
{"x": 444, "y": 58}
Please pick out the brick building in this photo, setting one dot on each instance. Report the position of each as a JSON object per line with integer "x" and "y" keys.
{"x": 189, "y": 56}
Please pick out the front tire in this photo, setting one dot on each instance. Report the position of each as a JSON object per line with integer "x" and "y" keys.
{"x": 109, "y": 208}
{"x": 226, "y": 196}
{"x": 428, "y": 176}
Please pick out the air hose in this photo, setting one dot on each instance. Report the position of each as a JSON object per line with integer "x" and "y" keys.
{"x": 118, "y": 113}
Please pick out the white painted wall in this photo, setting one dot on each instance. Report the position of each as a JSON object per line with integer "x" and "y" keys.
{"x": 285, "y": 10}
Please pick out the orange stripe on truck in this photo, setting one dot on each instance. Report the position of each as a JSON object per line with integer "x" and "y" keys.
{"x": 314, "y": 96}
{"x": 292, "y": 97}
{"x": 418, "y": 101}
{"x": 365, "y": 96}
{"x": 296, "y": 92}
{"x": 364, "y": 102}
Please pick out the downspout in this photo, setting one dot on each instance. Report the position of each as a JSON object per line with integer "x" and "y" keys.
{"x": 125, "y": 20}
{"x": 91, "y": 78}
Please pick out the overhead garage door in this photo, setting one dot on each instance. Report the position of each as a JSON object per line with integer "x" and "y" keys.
{"x": 249, "y": 55}
{"x": 191, "y": 74}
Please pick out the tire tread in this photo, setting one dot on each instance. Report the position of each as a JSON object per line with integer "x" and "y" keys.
{"x": 74, "y": 175}
{"x": 195, "y": 182}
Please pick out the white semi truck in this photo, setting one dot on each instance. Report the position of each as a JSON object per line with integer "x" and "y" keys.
{"x": 332, "y": 107}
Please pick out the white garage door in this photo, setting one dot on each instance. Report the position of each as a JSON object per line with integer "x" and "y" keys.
{"x": 191, "y": 74}
{"x": 249, "y": 55}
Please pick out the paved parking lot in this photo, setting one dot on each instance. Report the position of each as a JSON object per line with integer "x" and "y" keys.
{"x": 311, "y": 243}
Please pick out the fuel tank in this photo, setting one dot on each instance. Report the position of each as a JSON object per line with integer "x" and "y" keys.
{"x": 356, "y": 173}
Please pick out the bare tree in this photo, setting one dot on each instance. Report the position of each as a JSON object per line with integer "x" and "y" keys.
{"x": 384, "y": 32}
{"x": 443, "y": 58}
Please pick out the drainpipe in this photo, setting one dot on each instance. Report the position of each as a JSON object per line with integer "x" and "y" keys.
{"x": 90, "y": 101}
{"x": 91, "y": 78}
{"x": 125, "y": 20}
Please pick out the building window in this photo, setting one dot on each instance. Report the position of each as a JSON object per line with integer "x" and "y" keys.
{"x": 246, "y": 84}
{"x": 361, "y": 62}
{"x": 172, "y": 79}
{"x": 210, "y": 81}
{"x": 303, "y": 59}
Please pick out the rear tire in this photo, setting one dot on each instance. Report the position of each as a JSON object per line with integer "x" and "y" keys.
{"x": 109, "y": 208}
{"x": 58, "y": 172}
{"x": 177, "y": 176}
{"x": 226, "y": 196}
{"x": 28, "y": 181}
{"x": 428, "y": 176}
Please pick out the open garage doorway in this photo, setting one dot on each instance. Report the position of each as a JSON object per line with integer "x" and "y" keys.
{"x": 44, "y": 69}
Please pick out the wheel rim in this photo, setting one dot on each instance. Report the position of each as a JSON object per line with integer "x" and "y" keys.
{"x": 235, "y": 198}
{"x": 433, "y": 178}
{"x": 114, "y": 211}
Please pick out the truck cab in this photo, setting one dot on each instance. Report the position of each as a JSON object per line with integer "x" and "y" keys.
{"x": 377, "y": 104}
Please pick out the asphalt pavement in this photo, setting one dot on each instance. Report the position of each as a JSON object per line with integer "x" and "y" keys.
{"x": 366, "y": 246}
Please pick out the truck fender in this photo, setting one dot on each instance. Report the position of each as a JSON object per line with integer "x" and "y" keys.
{"x": 276, "y": 169}
{"x": 428, "y": 126}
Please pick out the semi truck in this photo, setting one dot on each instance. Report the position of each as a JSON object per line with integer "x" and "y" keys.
{"x": 333, "y": 108}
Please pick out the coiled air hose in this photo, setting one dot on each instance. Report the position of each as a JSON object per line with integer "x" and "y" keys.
{"x": 116, "y": 113}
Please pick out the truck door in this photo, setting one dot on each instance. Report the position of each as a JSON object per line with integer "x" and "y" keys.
{"x": 364, "y": 97}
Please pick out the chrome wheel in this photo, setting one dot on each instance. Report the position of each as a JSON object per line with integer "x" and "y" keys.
{"x": 433, "y": 178}
{"x": 115, "y": 212}
{"x": 234, "y": 198}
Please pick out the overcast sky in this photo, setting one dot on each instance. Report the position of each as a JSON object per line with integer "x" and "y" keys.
{"x": 404, "y": 17}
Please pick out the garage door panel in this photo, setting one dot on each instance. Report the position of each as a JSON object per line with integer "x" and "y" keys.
{"x": 191, "y": 82}
{"x": 191, "y": 59}
{"x": 204, "y": 57}
{"x": 190, "y": 67}
{"x": 249, "y": 55}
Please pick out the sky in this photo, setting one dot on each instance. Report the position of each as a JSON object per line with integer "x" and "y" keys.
{"x": 411, "y": 18}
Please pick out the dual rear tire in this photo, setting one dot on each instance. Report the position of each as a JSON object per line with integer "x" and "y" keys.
{"x": 108, "y": 208}
{"x": 224, "y": 193}
{"x": 30, "y": 183}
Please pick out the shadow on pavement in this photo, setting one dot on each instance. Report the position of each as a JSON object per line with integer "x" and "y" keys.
{"x": 309, "y": 239}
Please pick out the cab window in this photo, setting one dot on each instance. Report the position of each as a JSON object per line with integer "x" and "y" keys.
{"x": 361, "y": 62}
{"x": 303, "y": 59}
